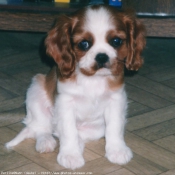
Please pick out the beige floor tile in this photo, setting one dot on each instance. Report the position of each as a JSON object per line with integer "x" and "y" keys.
{"x": 157, "y": 131}
{"x": 17, "y": 126}
{"x": 8, "y": 118}
{"x": 31, "y": 168}
{"x": 5, "y": 94}
{"x": 48, "y": 160}
{"x": 102, "y": 141}
{"x": 11, "y": 104}
{"x": 135, "y": 108}
{"x": 162, "y": 75}
{"x": 170, "y": 172}
{"x": 90, "y": 155}
{"x": 151, "y": 118}
{"x": 146, "y": 98}
{"x": 151, "y": 151}
{"x": 140, "y": 165}
{"x": 167, "y": 142}
{"x": 11, "y": 159}
{"x": 96, "y": 146}
{"x": 21, "y": 110}
{"x": 152, "y": 87}
{"x": 122, "y": 171}
{"x": 96, "y": 167}
{"x": 10, "y": 84}
{"x": 99, "y": 166}
{"x": 6, "y": 135}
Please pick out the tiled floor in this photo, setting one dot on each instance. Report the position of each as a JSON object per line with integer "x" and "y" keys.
{"x": 150, "y": 130}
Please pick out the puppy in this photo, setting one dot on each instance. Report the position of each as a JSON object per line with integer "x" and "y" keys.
{"x": 83, "y": 97}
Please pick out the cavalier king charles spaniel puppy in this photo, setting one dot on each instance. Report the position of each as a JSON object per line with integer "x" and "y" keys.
{"x": 83, "y": 97}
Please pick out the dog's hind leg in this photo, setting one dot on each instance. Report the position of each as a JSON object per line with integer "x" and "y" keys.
{"x": 40, "y": 106}
{"x": 39, "y": 117}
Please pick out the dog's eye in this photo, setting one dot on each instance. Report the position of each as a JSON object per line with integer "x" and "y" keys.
{"x": 116, "y": 42}
{"x": 84, "y": 45}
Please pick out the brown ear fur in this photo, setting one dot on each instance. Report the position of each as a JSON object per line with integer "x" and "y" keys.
{"x": 136, "y": 42}
{"x": 58, "y": 46}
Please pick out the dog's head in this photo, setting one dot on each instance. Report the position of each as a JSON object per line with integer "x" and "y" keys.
{"x": 97, "y": 40}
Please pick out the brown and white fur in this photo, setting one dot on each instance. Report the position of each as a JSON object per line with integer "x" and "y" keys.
{"x": 83, "y": 98}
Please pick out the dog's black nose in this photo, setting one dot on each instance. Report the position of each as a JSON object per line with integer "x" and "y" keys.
{"x": 101, "y": 59}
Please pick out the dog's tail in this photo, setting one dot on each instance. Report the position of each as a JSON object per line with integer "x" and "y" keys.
{"x": 24, "y": 134}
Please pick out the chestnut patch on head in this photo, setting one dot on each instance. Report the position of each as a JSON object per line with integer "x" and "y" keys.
{"x": 58, "y": 45}
{"x": 134, "y": 33}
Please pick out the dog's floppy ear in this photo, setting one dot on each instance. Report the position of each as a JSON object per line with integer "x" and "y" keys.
{"x": 135, "y": 41}
{"x": 58, "y": 45}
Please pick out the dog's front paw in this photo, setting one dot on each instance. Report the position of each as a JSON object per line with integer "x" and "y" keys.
{"x": 71, "y": 161}
{"x": 45, "y": 143}
{"x": 120, "y": 155}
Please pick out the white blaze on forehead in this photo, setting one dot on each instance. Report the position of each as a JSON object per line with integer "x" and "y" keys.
{"x": 98, "y": 21}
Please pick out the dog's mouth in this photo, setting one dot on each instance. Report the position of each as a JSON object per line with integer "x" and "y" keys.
{"x": 102, "y": 65}
{"x": 97, "y": 68}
